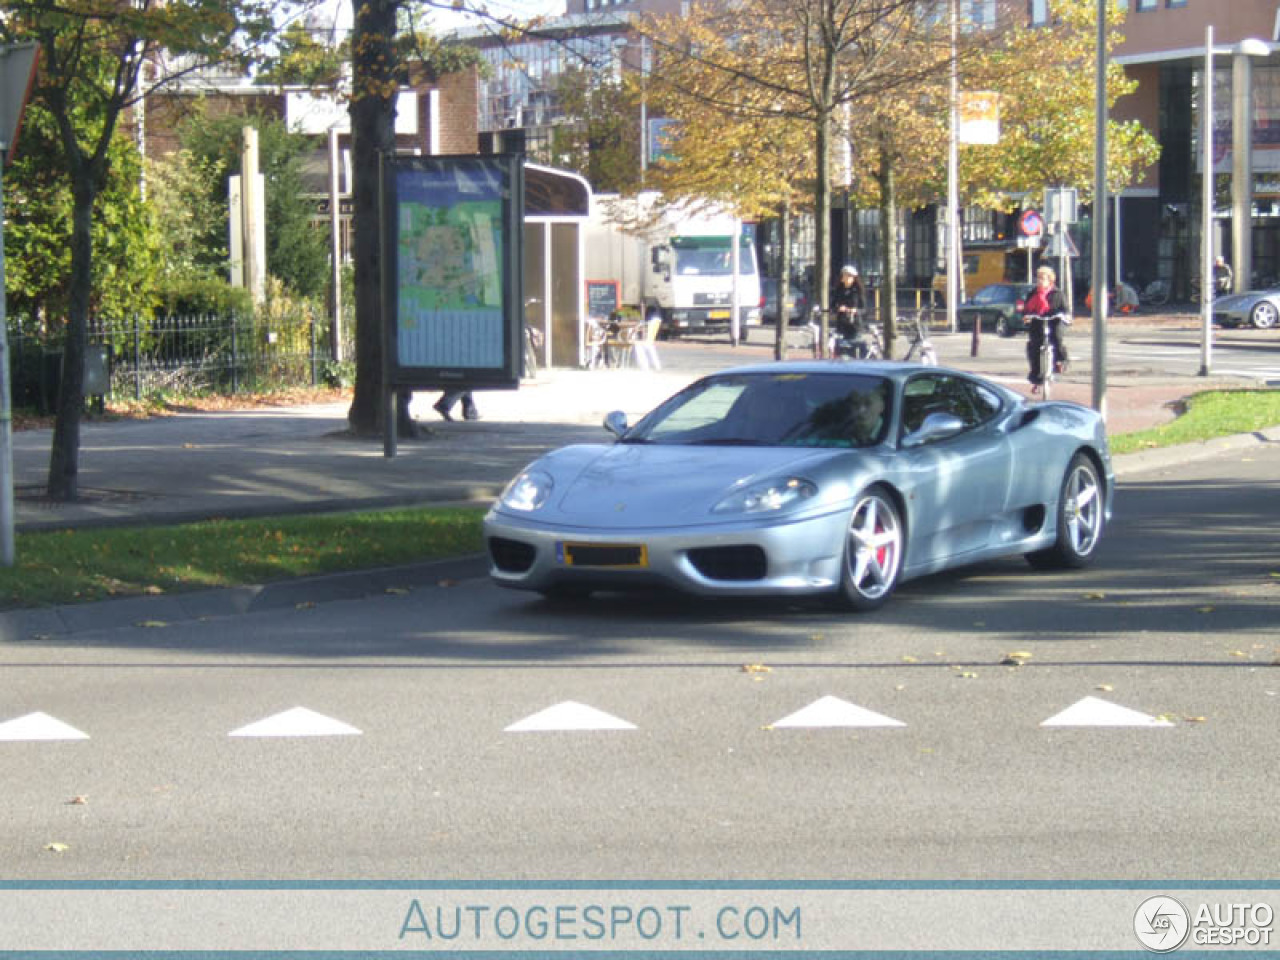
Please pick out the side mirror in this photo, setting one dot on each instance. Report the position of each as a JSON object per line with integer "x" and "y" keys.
{"x": 936, "y": 426}
{"x": 616, "y": 423}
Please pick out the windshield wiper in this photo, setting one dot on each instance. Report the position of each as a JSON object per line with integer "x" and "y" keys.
{"x": 734, "y": 442}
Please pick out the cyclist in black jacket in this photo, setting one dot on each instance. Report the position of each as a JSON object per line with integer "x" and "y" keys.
{"x": 846, "y": 303}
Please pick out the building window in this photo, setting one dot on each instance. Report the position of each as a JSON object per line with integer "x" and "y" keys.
{"x": 1175, "y": 3}
{"x": 1039, "y": 12}
{"x": 1146, "y": 4}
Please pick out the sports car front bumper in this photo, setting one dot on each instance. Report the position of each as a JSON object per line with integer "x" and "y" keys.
{"x": 752, "y": 558}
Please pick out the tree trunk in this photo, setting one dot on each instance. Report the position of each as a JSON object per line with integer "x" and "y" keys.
{"x": 64, "y": 458}
{"x": 888, "y": 243}
{"x": 372, "y": 134}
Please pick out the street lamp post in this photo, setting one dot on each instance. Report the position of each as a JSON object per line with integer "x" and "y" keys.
{"x": 1099, "y": 259}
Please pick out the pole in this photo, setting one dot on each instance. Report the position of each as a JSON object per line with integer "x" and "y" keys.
{"x": 6, "y": 411}
{"x": 1206, "y": 203}
{"x": 953, "y": 177}
{"x": 335, "y": 249}
{"x": 1099, "y": 262}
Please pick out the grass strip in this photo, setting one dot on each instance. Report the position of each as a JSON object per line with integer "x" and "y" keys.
{"x": 1217, "y": 413}
{"x": 76, "y": 566}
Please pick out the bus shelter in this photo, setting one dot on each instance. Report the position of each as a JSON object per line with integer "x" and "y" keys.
{"x": 557, "y": 204}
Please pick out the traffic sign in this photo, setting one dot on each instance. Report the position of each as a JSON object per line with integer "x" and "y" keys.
{"x": 1061, "y": 245}
{"x": 17, "y": 75}
{"x": 1030, "y": 223}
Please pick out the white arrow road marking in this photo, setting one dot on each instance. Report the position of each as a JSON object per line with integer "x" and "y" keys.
{"x": 831, "y": 711}
{"x": 298, "y": 722}
{"x": 569, "y": 715}
{"x": 1094, "y": 712}
{"x": 39, "y": 726}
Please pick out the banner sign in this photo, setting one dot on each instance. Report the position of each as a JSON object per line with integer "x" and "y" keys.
{"x": 452, "y": 296}
{"x": 979, "y": 117}
{"x": 930, "y": 920}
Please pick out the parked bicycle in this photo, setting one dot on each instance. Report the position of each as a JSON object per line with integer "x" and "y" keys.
{"x": 919, "y": 347}
{"x": 1154, "y": 294}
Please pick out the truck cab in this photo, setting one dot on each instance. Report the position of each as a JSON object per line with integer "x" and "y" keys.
{"x": 692, "y": 284}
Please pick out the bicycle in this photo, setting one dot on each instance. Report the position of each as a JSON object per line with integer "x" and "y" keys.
{"x": 1154, "y": 294}
{"x": 1048, "y": 356}
{"x": 920, "y": 348}
{"x": 532, "y": 344}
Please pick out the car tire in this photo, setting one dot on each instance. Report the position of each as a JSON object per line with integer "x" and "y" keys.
{"x": 873, "y": 549}
{"x": 1264, "y": 315}
{"x": 1081, "y": 513}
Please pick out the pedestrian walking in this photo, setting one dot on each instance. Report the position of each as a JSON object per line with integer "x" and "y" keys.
{"x": 444, "y": 406}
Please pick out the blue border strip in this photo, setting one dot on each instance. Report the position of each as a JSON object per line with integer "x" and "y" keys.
{"x": 769, "y": 885}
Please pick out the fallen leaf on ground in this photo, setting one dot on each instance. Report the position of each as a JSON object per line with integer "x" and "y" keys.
{"x": 304, "y": 605}
{"x": 1208, "y": 608}
{"x": 57, "y": 847}
{"x": 396, "y": 591}
{"x": 151, "y": 623}
{"x": 153, "y": 590}
{"x": 907, "y": 658}
{"x": 1016, "y": 658}
{"x": 1093, "y": 595}
{"x": 1104, "y": 687}
{"x": 756, "y": 668}
{"x": 79, "y": 800}
{"x": 1195, "y": 719}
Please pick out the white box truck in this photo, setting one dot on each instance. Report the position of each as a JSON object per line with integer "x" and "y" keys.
{"x": 679, "y": 264}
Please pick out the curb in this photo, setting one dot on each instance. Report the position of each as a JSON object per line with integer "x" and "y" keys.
{"x": 1163, "y": 457}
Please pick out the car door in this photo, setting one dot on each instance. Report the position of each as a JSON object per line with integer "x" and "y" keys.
{"x": 956, "y": 486}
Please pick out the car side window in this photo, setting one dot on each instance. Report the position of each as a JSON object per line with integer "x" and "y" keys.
{"x": 930, "y": 393}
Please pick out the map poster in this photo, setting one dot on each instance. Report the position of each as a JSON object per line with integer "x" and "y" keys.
{"x": 452, "y": 270}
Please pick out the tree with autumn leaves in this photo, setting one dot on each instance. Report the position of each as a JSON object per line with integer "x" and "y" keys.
{"x": 876, "y": 72}
{"x": 97, "y": 59}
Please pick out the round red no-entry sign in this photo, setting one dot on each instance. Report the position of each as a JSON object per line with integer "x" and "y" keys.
{"x": 1031, "y": 223}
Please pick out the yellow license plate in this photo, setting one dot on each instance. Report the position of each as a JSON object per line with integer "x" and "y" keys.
{"x": 718, "y": 314}
{"x": 616, "y": 556}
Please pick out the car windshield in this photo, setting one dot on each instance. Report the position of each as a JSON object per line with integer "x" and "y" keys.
{"x": 772, "y": 409}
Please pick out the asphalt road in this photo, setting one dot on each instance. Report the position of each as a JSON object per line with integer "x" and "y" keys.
{"x": 939, "y": 763}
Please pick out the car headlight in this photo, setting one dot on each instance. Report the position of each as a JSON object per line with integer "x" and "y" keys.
{"x": 770, "y": 496}
{"x": 528, "y": 491}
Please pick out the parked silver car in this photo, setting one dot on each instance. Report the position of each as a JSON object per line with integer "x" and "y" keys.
{"x": 1257, "y": 308}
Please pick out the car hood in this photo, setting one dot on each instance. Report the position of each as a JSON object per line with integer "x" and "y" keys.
{"x": 1237, "y": 301}
{"x": 636, "y": 485}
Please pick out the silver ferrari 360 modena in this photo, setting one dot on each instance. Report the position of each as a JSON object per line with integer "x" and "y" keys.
{"x": 814, "y": 477}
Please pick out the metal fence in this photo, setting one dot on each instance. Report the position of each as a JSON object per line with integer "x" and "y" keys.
{"x": 143, "y": 356}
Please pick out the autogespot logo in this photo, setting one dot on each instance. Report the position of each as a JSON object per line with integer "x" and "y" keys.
{"x": 1162, "y": 924}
